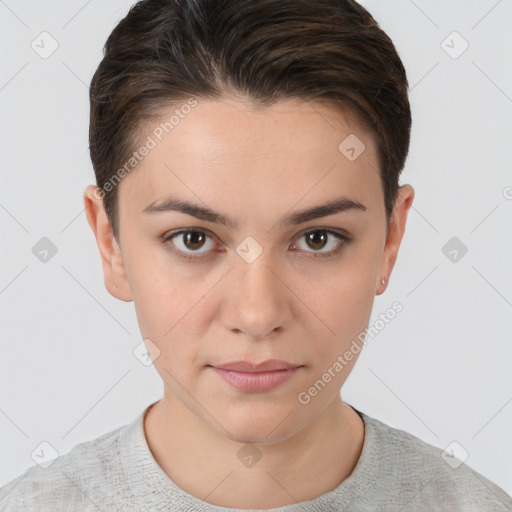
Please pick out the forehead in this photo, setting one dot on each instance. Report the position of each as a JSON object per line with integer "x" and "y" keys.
{"x": 231, "y": 145}
{"x": 213, "y": 126}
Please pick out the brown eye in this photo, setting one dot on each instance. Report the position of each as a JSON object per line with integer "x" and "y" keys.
{"x": 190, "y": 241}
{"x": 193, "y": 240}
{"x": 318, "y": 239}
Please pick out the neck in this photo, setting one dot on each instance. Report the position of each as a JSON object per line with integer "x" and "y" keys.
{"x": 211, "y": 467}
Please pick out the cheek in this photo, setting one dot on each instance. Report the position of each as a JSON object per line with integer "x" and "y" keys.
{"x": 157, "y": 286}
{"x": 346, "y": 309}
{"x": 344, "y": 304}
{"x": 346, "y": 313}
{"x": 172, "y": 310}
{"x": 169, "y": 316}
{"x": 168, "y": 311}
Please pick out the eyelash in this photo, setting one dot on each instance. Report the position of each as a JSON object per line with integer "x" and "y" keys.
{"x": 324, "y": 255}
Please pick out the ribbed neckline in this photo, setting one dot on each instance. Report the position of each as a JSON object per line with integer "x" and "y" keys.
{"x": 142, "y": 472}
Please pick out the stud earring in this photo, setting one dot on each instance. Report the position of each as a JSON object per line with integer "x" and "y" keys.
{"x": 383, "y": 281}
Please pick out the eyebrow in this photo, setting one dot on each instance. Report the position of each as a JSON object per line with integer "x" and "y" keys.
{"x": 341, "y": 204}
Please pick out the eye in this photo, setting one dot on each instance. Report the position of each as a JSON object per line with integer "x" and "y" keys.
{"x": 189, "y": 241}
{"x": 321, "y": 238}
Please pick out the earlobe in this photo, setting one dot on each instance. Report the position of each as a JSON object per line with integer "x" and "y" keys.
{"x": 114, "y": 271}
{"x": 397, "y": 223}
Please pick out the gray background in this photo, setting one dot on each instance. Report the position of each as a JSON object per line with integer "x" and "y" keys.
{"x": 440, "y": 370}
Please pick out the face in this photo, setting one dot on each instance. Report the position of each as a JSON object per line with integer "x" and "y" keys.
{"x": 245, "y": 274}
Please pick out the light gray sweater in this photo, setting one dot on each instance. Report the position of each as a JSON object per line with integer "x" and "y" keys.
{"x": 117, "y": 472}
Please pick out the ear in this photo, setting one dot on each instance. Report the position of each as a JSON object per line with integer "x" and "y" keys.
{"x": 114, "y": 271}
{"x": 396, "y": 231}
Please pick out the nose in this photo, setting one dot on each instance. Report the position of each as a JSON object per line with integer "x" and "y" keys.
{"x": 257, "y": 304}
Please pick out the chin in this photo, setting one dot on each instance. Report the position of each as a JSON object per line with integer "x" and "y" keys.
{"x": 258, "y": 424}
{"x": 252, "y": 435}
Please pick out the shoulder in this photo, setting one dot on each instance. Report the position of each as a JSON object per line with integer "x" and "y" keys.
{"x": 424, "y": 477}
{"x": 73, "y": 481}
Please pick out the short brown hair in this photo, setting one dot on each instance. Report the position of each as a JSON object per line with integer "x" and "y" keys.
{"x": 165, "y": 51}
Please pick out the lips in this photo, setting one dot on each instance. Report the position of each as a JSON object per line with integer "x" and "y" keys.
{"x": 265, "y": 366}
{"x": 256, "y": 377}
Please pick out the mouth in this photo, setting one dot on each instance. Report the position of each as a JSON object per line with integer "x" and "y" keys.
{"x": 256, "y": 377}
{"x": 265, "y": 366}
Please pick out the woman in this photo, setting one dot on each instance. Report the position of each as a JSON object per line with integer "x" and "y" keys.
{"x": 247, "y": 159}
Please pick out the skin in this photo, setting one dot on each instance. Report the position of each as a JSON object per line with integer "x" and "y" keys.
{"x": 255, "y": 166}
